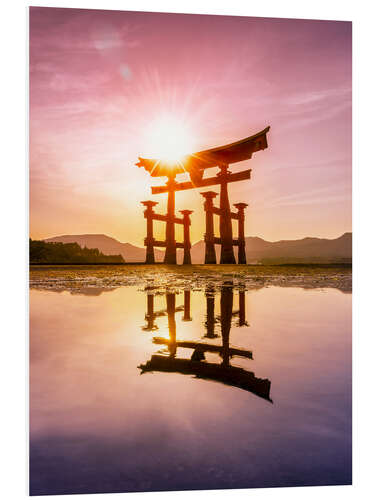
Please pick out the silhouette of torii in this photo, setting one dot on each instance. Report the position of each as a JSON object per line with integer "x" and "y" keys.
{"x": 222, "y": 372}
{"x": 195, "y": 165}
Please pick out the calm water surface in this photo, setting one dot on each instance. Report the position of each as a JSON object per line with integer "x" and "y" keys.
{"x": 194, "y": 390}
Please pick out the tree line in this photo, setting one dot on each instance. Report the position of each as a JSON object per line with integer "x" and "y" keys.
{"x": 41, "y": 252}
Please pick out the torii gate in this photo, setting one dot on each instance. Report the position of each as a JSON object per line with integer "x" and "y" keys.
{"x": 195, "y": 165}
{"x": 222, "y": 372}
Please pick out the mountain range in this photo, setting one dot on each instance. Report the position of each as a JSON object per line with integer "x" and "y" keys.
{"x": 107, "y": 245}
{"x": 305, "y": 250}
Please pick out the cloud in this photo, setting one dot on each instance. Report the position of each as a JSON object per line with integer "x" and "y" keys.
{"x": 324, "y": 194}
{"x": 319, "y": 96}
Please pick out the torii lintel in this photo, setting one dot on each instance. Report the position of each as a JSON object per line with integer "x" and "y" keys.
{"x": 196, "y": 163}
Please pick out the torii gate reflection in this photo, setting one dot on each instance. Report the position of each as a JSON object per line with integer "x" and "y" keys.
{"x": 222, "y": 372}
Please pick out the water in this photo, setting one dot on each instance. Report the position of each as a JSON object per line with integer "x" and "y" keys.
{"x": 124, "y": 397}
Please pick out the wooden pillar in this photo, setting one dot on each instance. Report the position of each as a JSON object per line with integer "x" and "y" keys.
{"x": 210, "y": 255}
{"x": 241, "y": 232}
{"x": 187, "y": 243}
{"x": 210, "y": 318}
{"x": 187, "y": 316}
{"x": 150, "y": 316}
{"x": 242, "y": 313}
{"x": 171, "y": 310}
{"x": 226, "y": 234}
{"x": 149, "y": 240}
{"x": 226, "y": 312}
{"x": 170, "y": 249}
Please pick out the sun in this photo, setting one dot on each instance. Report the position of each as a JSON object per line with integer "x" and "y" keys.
{"x": 168, "y": 139}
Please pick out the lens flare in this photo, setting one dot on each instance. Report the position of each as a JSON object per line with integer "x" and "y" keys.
{"x": 169, "y": 139}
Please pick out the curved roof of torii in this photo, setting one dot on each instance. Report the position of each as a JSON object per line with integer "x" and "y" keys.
{"x": 197, "y": 162}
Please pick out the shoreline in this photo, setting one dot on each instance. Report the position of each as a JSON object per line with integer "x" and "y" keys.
{"x": 197, "y": 276}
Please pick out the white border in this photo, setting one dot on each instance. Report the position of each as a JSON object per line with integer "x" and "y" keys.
{"x": 15, "y": 224}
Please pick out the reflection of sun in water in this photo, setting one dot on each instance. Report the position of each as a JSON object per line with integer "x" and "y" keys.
{"x": 168, "y": 138}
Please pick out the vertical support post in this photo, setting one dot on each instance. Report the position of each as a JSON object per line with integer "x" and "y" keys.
{"x": 226, "y": 234}
{"x": 242, "y": 313}
{"x": 241, "y": 232}
{"x": 226, "y": 312}
{"x": 210, "y": 318}
{"x": 149, "y": 240}
{"x": 187, "y": 316}
{"x": 210, "y": 255}
{"x": 170, "y": 249}
{"x": 150, "y": 306}
{"x": 187, "y": 243}
{"x": 150, "y": 316}
{"x": 171, "y": 310}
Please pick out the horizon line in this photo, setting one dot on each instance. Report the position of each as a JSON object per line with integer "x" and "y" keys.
{"x": 197, "y": 241}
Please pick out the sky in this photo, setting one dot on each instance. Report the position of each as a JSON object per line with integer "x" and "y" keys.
{"x": 103, "y": 82}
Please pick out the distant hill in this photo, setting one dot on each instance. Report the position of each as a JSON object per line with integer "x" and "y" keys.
{"x": 107, "y": 245}
{"x": 306, "y": 250}
{"x": 42, "y": 252}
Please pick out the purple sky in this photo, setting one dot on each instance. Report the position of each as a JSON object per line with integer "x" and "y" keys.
{"x": 99, "y": 78}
